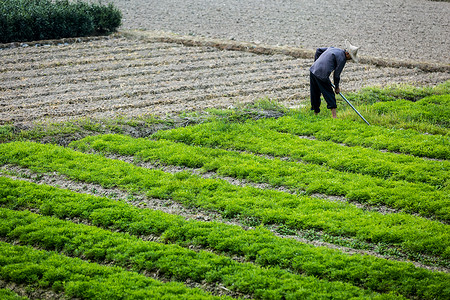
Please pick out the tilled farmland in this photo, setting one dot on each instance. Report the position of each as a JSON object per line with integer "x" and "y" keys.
{"x": 127, "y": 76}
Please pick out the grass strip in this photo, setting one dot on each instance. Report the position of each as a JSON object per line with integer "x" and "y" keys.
{"x": 170, "y": 260}
{"x": 270, "y": 207}
{"x": 398, "y": 91}
{"x": 411, "y": 197}
{"x": 83, "y": 280}
{"x": 258, "y": 245}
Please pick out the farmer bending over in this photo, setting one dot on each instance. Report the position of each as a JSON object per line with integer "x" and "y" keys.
{"x": 326, "y": 61}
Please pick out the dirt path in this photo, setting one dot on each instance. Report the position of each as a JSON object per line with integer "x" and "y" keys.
{"x": 130, "y": 76}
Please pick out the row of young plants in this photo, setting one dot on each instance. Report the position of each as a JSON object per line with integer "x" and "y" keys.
{"x": 336, "y": 162}
{"x": 221, "y": 135}
{"x": 372, "y": 94}
{"x": 427, "y": 200}
{"x": 432, "y": 109}
{"x": 84, "y": 280}
{"x": 407, "y": 141}
{"x": 409, "y": 232}
{"x": 7, "y": 294}
{"x": 271, "y": 253}
{"x": 170, "y": 261}
{"x": 412, "y": 120}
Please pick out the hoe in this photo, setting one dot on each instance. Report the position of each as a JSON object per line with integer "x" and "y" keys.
{"x": 352, "y": 106}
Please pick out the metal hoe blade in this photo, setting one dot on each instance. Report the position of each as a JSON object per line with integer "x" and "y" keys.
{"x": 351, "y": 106}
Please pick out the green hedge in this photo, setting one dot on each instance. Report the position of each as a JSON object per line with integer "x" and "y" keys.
{"x": 31, "y": 20}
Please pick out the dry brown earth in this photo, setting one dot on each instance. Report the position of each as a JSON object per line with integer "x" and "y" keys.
{"x": 417, "y": 30}
{"x": 136, "y": 74}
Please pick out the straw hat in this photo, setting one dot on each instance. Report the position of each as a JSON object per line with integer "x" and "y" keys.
{"x": 352, "y": 50}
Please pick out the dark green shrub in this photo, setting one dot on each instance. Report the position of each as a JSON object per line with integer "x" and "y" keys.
{"x": 27, "y": 20}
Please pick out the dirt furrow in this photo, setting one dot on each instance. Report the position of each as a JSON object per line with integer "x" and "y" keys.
{"x": 171, "y": 70}
{"x": 146, "y": 84}
{"x": 149, "y": 75}
{"x": 111, "y": 45}
{"x": 170, "y": 78}
{"x": 150, "y": 78}
{"x": 166, "y": 105}
{"x": 176, "y": 98}
{"x": 32, "y": 78}
{"x": 153, "y": 84}
{"x": 120, "y": 100}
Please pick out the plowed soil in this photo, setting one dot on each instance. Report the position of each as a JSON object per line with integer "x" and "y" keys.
{"x": 130, "y": 76}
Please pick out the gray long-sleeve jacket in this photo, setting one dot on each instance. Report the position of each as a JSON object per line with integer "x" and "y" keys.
{"x": 326, "y": 61}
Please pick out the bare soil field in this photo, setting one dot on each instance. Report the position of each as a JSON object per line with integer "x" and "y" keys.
{"x": 137, "y": 74}
{"x": 415, "y": 30}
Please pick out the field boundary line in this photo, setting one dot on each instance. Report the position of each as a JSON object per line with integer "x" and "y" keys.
{"x": 260, "y": 48}
{"x": 225, "y": 44}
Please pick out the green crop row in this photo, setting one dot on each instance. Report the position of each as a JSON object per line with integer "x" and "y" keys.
{"x": 411, "y": 197}
{"x": 413, "y": 112}
{"x": 347, "y": 159}
{"x": 280, "y": 137}
{"x": 308, "y": 177}
{"x": 84, "y": 280}
{"x": 171, "y": 261}
{"x": 258, "y": 245}
{"x": 6, "y": 294}
{"x": 354, "y": 134}
{"x": 433, "y": 109}
{"x": 270, "y": 207}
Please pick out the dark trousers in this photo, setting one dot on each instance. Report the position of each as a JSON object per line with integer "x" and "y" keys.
{"x": 318, "y": 87}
